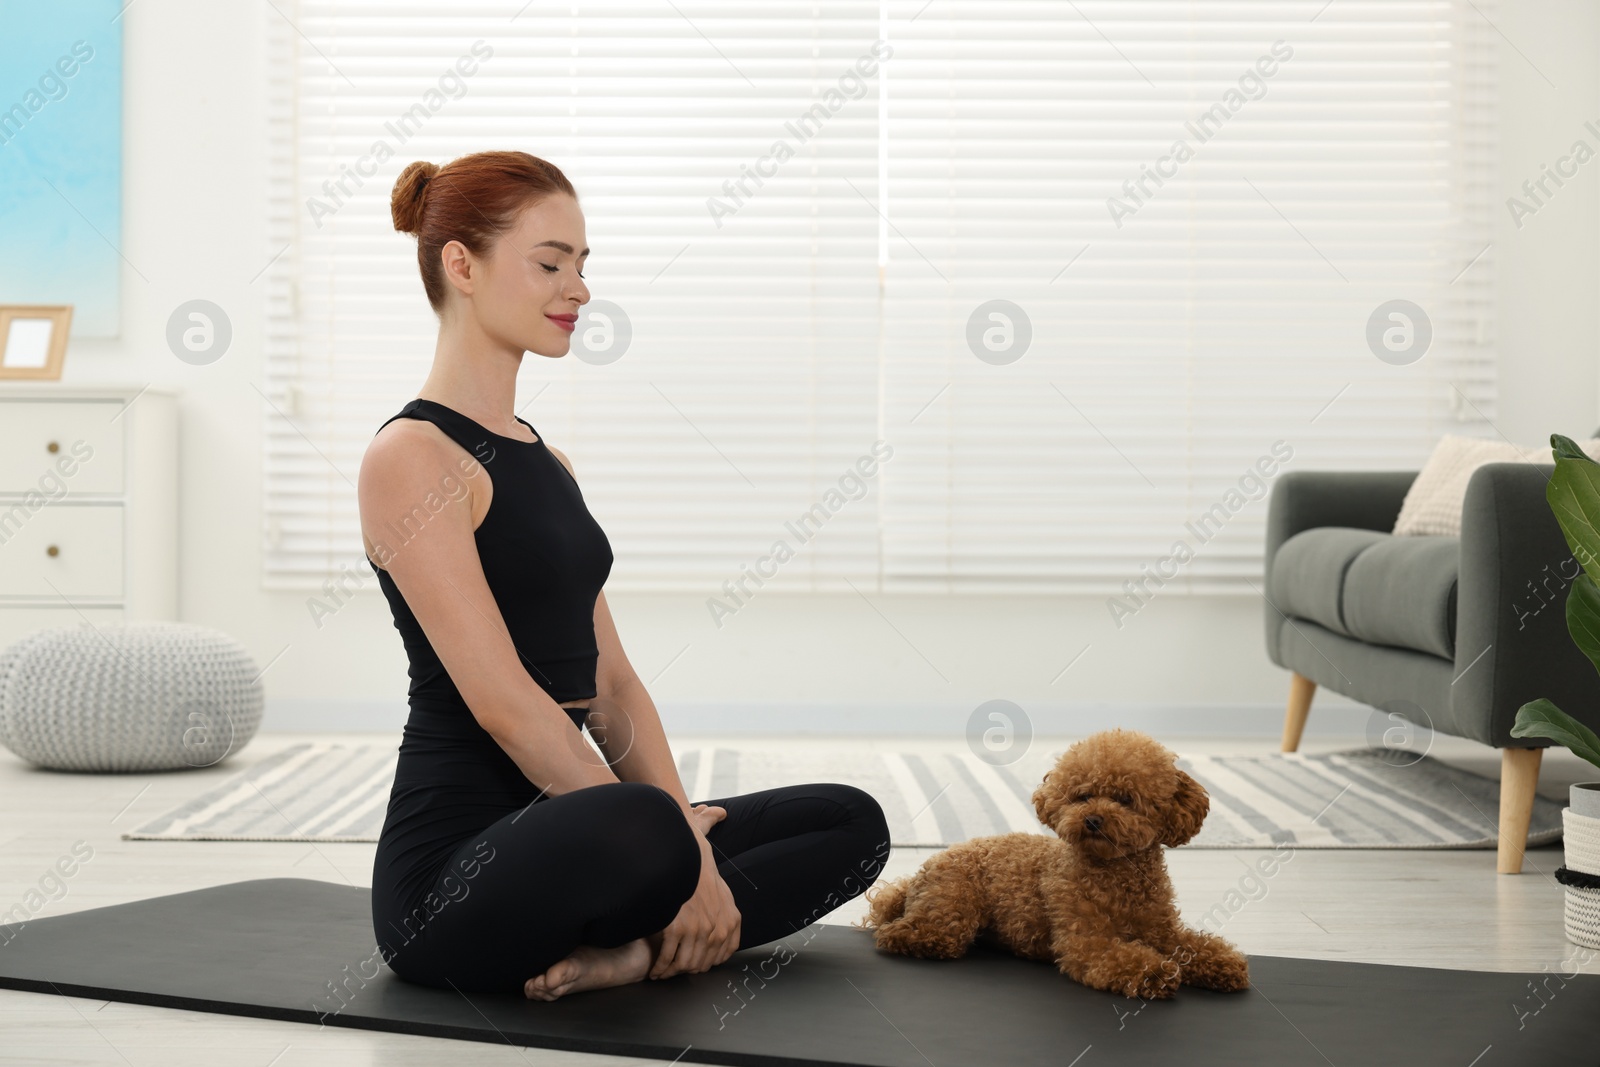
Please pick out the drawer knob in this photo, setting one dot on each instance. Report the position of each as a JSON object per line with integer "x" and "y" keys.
{"x": 52, "y": 551}
{"x": 53, "y": 446}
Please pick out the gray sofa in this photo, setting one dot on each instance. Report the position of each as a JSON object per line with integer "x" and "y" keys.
{"x": 1461, "y": 631}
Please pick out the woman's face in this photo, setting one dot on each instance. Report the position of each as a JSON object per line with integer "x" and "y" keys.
{"x": 529, "y": 290}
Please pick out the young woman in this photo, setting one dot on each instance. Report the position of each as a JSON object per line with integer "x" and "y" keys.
{"x": 512, "y": 856}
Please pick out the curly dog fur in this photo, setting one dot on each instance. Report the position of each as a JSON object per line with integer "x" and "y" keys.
{"x": 1097, "y": 902}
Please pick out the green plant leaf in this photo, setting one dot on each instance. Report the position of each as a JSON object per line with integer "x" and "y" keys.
{"x": 1574, "y": 497}
{"x": 1583, "y": 617}
{"x": 1540, "y": 718}
{"x": 1567, "y": 448}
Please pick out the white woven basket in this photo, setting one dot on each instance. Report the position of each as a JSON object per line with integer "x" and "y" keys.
{"x": 1581, "y": 842}
{"x": 136, "y": 696}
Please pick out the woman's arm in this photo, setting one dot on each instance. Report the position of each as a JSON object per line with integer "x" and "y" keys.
{"x": 626, "y": 728}
{"x": 622, "y": 718}
{"x": 438, "y": 571}
{"x": 706, "y": 931}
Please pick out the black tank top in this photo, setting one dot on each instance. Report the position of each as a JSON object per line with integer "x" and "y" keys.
{"x": 544, "y": 556}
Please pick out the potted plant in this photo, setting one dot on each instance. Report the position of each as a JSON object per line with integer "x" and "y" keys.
{"x": 1574, "y": 496}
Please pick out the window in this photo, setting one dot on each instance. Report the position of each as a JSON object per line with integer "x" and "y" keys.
{"x": 989, "y": 297}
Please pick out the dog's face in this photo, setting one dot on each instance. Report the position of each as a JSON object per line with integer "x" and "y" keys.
{"x": 1119, "y": 792}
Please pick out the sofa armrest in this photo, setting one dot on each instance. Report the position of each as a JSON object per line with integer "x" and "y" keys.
{"x": 1512, "y": 644}
{"x": 1302, "y": 500}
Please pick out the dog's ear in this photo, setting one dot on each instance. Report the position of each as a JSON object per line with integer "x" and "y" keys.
{"x": 1047, "y": 800}
{"x": 1185, "y": 811}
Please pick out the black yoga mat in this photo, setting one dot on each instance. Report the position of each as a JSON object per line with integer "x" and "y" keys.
{"x": 275, "y": 948}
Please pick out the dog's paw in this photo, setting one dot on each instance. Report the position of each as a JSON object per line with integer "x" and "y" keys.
{"x": 894, "y": 936}
{"x": 1160, "y": 982}
{"x": 1226, "y": 973}
{"x": 905, "y": 937}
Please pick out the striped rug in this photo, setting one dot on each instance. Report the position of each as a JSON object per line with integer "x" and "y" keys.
{"x": 323, "y": 791}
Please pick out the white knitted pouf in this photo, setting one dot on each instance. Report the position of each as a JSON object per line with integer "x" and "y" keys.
{"x": 1580, "y": 837}
{"x": 135, "y": 696}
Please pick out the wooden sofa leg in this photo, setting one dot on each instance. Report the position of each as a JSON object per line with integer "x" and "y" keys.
{"x": 1519, "y": 779}
{"x": 1301, "y": 690}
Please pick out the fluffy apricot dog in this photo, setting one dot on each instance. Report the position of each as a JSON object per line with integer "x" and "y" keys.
{"x": 1097, "y": 903}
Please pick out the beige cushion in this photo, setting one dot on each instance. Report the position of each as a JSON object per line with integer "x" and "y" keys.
{"x": 1432, "y": 507}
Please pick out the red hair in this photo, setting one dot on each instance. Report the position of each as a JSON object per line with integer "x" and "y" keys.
{"x": 473, "y": 200}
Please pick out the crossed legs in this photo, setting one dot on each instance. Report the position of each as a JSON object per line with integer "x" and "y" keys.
{"x": 607, "y": 865}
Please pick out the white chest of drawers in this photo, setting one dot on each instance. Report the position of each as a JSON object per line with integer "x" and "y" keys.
{"x": 88, "y": 505}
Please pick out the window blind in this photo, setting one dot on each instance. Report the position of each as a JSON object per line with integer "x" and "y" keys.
{"x": 986, "y": 297}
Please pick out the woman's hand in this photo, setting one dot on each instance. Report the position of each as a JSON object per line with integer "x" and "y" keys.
{"x": 705, "y": 817}
{"x": 707, "y": 927}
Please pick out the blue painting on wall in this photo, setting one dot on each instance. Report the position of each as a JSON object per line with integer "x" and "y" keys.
{"x": 61, "y": 158}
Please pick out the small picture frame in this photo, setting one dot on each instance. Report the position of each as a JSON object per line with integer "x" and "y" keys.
{"x": 33, "y": 340}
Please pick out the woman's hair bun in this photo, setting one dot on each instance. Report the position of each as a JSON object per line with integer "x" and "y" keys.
{"x": 405, "y": 203}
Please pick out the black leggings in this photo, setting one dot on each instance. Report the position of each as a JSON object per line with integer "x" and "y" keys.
{"x": 607, "y": 864}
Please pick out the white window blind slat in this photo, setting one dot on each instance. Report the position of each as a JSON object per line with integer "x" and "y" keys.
{"x": 830, "y": 309}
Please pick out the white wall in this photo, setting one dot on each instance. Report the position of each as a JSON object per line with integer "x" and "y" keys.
{"x": 195, "y": 151}
{"x": 1547, "y": 268}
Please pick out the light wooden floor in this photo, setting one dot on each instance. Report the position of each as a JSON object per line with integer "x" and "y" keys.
{"x": 1445, "y": 908}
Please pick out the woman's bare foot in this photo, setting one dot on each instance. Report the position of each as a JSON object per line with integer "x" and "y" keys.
{"x": 592, "y": 968}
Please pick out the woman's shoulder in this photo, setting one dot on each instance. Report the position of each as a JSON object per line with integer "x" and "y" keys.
{"x": 406, "y": 440}
{"x": 565, "y": 462}
{"x": 408, "y": 453}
